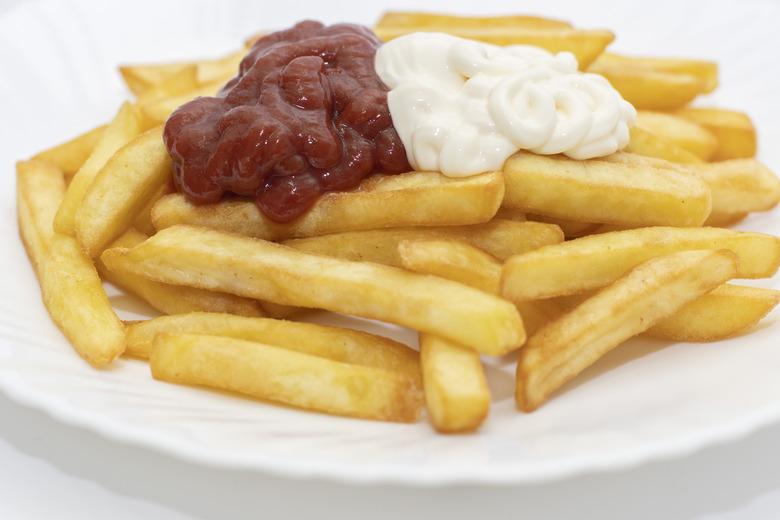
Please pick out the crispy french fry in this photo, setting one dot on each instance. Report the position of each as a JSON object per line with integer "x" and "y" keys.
{"x": 412, "y": 199}
{"x": 199, "y": 257}
{"x": 706, "y": 71}
{"x": 650, "y": 89}
{"x": 599, "y": 260}
{"x": 719, "y": 219}
{"x": 285, "y": 376}
{"x": 740, "y": 186}
{"x": 734, "y": 131}
{"x": 456, "y": 390}
{"x": 726, "y": 311}
{"x": 344, "y": 345}
{"x": 684, "y": 133}
{"x": 644, "y": 142}
{"x": 125, "y": 127}
{"x": 500, "y": 238}
{"x": 155, "y": 112}
{"x": 605, "y": 191}
{"x": 570, "y": 228}
{"x": 143, "y": 221}
{"x": 418, "y": 21}
{"x": 180, "y": 82}
{"x": 174, "y": 299}
{"x": 71, "y": 155}
{"x": 121, "y": 189}
{"x": 634, "y": 303}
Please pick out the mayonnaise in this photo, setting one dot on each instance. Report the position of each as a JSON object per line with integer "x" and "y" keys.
{"x": 463, "y": 107}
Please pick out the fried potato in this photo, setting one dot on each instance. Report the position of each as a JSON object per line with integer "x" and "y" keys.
{"x": 605, "y": 191}
{"x": 500, "y": 238}
{"x": 452, "y": 260}
{"x": 177, "y": 83}
{"x": 705, "y": 71}
{"x": 285, "y": 376}
{"x": 570, "y": 228}
{"x": 644, "y": 142}
{"x": 726, "y": 311}
{"x": 70, "y": 155}
{"x": 417, "y": 21}
{"x": 740, "y": 185}
{"x": 125, "y": 126}
{"x": 155, "y": 112}
{"x": 511, "y": 214}
{"x": 143, "y": 220}
{"x": 175, "y": 299}
{"x": 40, "y": 187}
{"x": 646, "y": 295}
{"x": 650, "y": 89}
{"x": 719, "y": 219}
{"x": 598, "y": 260}
{"x": 456, "y": 390}
{"x": 684, "y": 133}
{"x": 344, "y": 345}
{"x": 121, "y": 189}
{"x": 199, "y": 257}
{"x": 734, "y": 131}
{"x": 411, "y": 199}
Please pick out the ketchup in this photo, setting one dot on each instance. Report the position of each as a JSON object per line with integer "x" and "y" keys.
{"x": 306, "y": 114}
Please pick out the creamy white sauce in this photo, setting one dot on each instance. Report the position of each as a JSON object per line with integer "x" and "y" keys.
{"x": 462, "y": 107}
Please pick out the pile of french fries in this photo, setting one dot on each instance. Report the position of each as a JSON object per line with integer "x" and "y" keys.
{"x": 558, "y": 259}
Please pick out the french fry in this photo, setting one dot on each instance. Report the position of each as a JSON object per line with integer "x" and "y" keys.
{"x": 40, "y": 187}
{"x": 125, "y": 126}
{"x": 173, "y": 299}
{"x": 734, "y": 131}
{"x": 726, "y": 311}
{"x": 684, "y": 133}
{"x": 155, "y": 112}
{"x": 634, "y": 303}
{"x": 740, "y": 185}
{"x": 121, "y": 189}
{"x": 285, "y": 376}
{"x": 511, "y": 214}
{"x": 705, "y": 71}
{"x": 719, "y": 219}
{"x": 180, "y": 82}
{"x": 570, "y": 228}
{"x": 143, "y": 221}
{"x": 71, "y": 155}
{"x": 456, "y": 390}
{"x": 343, "y": 345}
{"x": 599, "y": 260}
{"x": 199, "y": 257}
{"x": 605, "y": 191}
{"x": 500, "y": 238}
{"x": 644, "y": 142}
{"x": 418, "y": 21}
{"x": 650, "y": 89}
{"x": 412, "y": 199}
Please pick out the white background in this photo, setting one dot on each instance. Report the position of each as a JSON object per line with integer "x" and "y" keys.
{"x": 49, "y": 470}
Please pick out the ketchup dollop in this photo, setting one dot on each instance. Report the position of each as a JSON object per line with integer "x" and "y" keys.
{"x": 306, "y": 114}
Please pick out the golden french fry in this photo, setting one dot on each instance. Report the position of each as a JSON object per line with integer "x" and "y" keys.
{"x": 174, "y": 299}
{"x": 644, "y": 142}
{"x": 734, "y": 131}
{"x": 456, "y": 390}
{"x": 121, "y": 189}
{"x": 40, "y": 187}
{"x": 199, "y": 257}
{"x": 428, "y": 22}
{"x": 143, "y": 221}
{"x": 706, "y": 71}
{"x": 605, "y": 191}
{"x": 411, "y": 199}
{"x": 344, "y": 345}
{"x": 71, "y": 155}
{"x": 511, "y": 214}
{"x": 156, "y": 111}
{"x": 500, "y": 238}
{"x": 125, "y": 126}
{"x": 285, "y": 376}
{"x": 726, "y": 311}
{"x": 570, "y": 228}
{"x": 177, "y": 83}
{"x": 740, "y": 185}
{"x": 684, "y": 133}
{"x": 650, "y": 89}
{"x": 718, "y": 219}
{"x": 599, "y": 260}
{"x": 634, "y": 303}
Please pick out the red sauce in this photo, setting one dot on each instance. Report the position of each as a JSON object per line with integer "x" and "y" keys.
{"x": 306, "y": 114}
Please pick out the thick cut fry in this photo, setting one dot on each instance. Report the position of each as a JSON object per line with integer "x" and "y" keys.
{"x": 143, "y": 221}
{"x": 40, "y": 187}
{"x": 70, "y": 155}
{"x": 644, "y": 142}
{"x": 174, "y": 299}
{"x": 646, "y": 295}
{"x": 726, "y": 311}
{"x": 285, "y": 376}
{"x": 121, "y": 189}
{"x": 452, "y": 260}
{"x": 156, "y": 111}
{"x": 500, "y": 238}
{"x": 344, "y": 345}
{"x": 412, "y": 199}
{"x": 456, "y": 390}
{"x": 177, "y": 83}
{"x": 650, "y": 89}
{"x": 428, "y": 22}
{"x": 198, "y": 257}
{"x": 605, "y": 191}
{"x": 78, "y": 304}
{"x": 570, "y": 228}
{"x": 706, "y": 71}
{"x": 598, "y": 260}
{"x": 734, "y": 131}
{"x": 684, "y": 133}
{"x": 719, "y": 219}
{"x": 125, "y": 127}
{"x": 740, "y": 185}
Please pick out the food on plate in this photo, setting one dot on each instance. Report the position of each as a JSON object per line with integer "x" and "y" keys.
{"x": 476, "y": 179}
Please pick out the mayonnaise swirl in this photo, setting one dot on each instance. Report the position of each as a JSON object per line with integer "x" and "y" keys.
{"x": 462, "y": 107}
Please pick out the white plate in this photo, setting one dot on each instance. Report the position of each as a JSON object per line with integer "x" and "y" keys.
{"x": 646, "y": 400}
